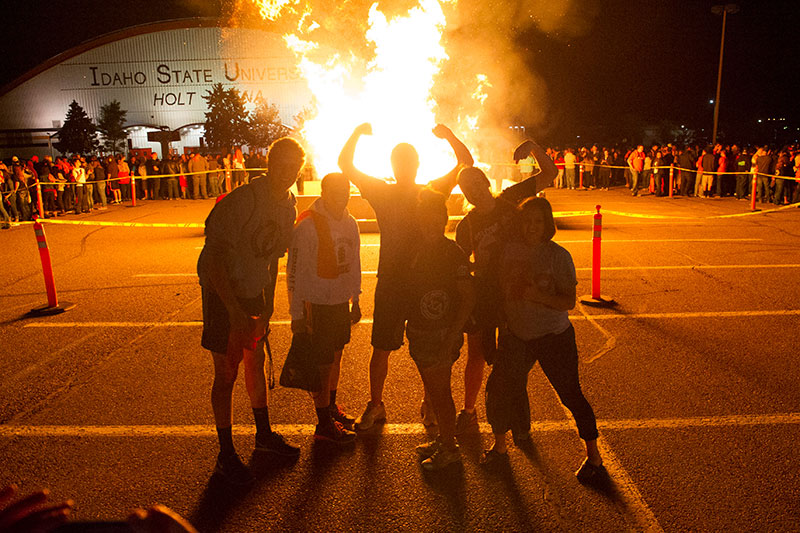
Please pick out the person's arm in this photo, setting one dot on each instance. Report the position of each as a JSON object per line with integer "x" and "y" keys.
{"x": 301, "y": 257}
{"x": 355, "y": 273}
{"x": 446, "y": 183}
{"x": 347, "y": 155}
{"x": 532, "y": 185}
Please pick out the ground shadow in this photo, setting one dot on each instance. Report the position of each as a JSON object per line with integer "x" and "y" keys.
{"x": 220, "y": 499}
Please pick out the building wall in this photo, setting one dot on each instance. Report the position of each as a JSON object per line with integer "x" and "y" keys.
{"x": 159, "y": 77}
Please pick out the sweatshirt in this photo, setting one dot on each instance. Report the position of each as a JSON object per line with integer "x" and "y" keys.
{"x": 324, "y": 265}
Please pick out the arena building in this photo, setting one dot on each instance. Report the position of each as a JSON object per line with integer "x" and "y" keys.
{"x": 159, "y": 73}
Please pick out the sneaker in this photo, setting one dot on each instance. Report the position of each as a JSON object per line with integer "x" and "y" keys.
{"x": 372, "y": 415}
{"x": 334, "y": 433}
{"x": 467, "y": 423}
{"x": 521, "y": 440}
{"x": 492, "y": 459}
{"x": 589, "y": 473}
{"x": 428, "y": 449}
{"x": 274, "y": 443}
{"x": 347, "y": 421}
{"x": 428, "y": 414}
{"x": 233, "y": 470}
{"x": 442, "y": 458}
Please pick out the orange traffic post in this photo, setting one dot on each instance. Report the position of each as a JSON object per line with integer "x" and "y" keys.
{"x": 580, "y": 186}
{"x": 52, "y": 307}
{"x": 753, "y": 192}
{"x": 133, "y": 190}
{"x": 596, "y": 299}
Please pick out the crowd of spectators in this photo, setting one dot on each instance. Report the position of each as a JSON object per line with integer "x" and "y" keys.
{"x": 710, "y": 171}
{"x": 81, "y": 184}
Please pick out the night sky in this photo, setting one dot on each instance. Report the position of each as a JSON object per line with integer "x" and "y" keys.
{"x": 637, "y": 62}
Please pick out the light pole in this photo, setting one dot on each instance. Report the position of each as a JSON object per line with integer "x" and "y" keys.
{"x": 721, "y": 10}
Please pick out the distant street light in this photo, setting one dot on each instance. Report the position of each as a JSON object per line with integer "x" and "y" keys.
{"x": 721, "y": 10}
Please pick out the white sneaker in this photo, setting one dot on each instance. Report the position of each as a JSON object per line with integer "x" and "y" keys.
{"x": 372, "y": 415}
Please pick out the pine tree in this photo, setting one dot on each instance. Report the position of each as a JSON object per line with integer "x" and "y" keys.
{"x": 111, "y": 124}
{"x": 78, "y": 135}
{"x": 226, "y": 118}
{"x": 265, "y": 126}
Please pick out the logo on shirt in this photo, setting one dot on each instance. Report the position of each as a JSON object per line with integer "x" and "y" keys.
{"x": 434, "y": 305}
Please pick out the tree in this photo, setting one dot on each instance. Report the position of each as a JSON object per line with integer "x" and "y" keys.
{"x": 226, "y": 118}
{"x": 265, "y": 126}
{"x": 78, "y": 135}
{"x": 111, "y": 124}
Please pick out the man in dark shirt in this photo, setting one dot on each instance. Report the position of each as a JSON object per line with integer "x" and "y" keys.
{"x": 743, "y": 164}
{"x": 482, "y": 233}
{"x": 687, "y": 162}
{"x": 153, "y": 166}
{"x": 765, "y": 168}
{"x": 394, "y": 206}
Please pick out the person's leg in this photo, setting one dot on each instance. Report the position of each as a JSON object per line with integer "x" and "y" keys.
{"x": 203, "y": 186}
{"x": 437, "y": 386}
{"x": 101, "y": 191}
{"x": 473, "y": 371}
{"x": 6, "y": 220}
{"x": 558, "y": 357}
{"x": 634, "y": 182}
{"x": 507, "y": 405}
{"x": 378, "y": 370}
{"x": 778, "y": 200}
{"x": 225, "y": 372}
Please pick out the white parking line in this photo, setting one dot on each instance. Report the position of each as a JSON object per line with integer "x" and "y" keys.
{"x": 777, "y": 419}
{"x": 581, "y": 269}
{"x": 605, "y": 241}
{"x": 632, "y": 316}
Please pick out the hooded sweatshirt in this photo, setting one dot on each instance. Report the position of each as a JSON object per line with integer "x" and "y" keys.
{"x": 324, "y": 265}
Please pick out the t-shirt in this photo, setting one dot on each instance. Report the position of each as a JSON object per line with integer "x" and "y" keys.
{"x": 394, "y": 207}
{"x": 249, "y": 229}
{"x": 433, "y": 276}
{"x": 483, "y": 235}
{"x": 547, "y": 265}
{"x": 764, "y": 164}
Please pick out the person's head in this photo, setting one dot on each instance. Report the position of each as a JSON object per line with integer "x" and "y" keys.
{"x": 405, "y": 163}
{"x": 335, "y": 193}
{"x": 475, "y": 186}
{"x": 536, "y": 220}
{"x": 285, "y": 159}
{"x": 640, "y": 148}
{"x": 431, "y": 213}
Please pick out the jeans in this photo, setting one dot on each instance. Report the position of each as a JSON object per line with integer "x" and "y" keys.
{"x": 569, "y": 173}
{"x": 762, "y": 188}
{"x": 507, "y": 405}
{"x": 101, "y": 192}
{"x": 173, "y": 190}
{"x": 687, "y": 183}
{"x": 199, "y": 186}
{"x": 635, "y": 181}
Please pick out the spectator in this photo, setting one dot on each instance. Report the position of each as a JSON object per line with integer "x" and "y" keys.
{"x": 636, "y": 165}
{"x": 569, "y": 168}
{"x": 197, "y": 168}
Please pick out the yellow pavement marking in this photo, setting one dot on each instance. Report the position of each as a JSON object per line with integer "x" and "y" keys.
{"x": 692, "y": 267}
{"x": 199, "y": 430}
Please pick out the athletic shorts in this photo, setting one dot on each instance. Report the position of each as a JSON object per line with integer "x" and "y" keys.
{"x": 389, "y": 316}
{"x": 427, "y": 347}
{"x": 330, "y": 330}
{"x": 216, "y": 325}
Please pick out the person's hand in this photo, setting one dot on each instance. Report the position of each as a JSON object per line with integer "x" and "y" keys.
{"x": 355, "y": 313}
{"x": 299, "y": 325}
{"x": 442, "y": 131}
{"x": 28, "y": 514}
{"x": 363, "y": 129}
{"x": 523, "y": 151}
{"x": 159, "y": 519}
